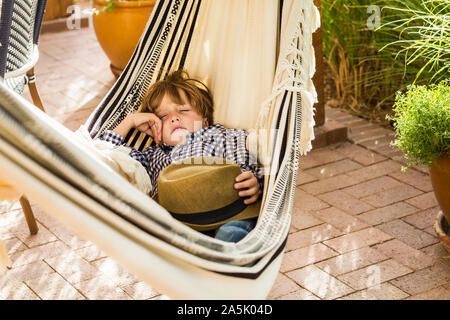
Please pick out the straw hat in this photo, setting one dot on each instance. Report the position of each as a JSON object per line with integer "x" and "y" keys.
{"x": 201, "y": 193}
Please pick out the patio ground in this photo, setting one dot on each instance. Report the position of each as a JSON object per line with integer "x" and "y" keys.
{"x": 361, "y": 228}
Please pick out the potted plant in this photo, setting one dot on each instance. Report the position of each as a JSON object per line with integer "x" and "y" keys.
{"x": 422, "y": 127}
{"x": 118, "y": 25}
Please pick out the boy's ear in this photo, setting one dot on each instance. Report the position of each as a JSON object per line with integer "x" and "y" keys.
{"x": 205, "y": 122}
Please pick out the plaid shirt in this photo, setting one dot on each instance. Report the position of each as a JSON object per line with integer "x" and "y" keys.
{"x": 215, "y": 140}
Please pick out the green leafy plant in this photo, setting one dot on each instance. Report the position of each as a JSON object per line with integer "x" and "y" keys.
{"x": 422, "y": 123}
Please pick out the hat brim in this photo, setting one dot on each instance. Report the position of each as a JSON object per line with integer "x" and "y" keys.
{"x": 250, "y": 211}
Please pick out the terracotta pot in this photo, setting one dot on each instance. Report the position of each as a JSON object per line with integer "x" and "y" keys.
{"x": 442, "y": 229}
{"x": 57, "y": 9}
{"x": 440, "y": 179}
{"x": 118, "y": 31}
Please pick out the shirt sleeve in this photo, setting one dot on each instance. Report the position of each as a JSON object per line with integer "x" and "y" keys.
{"x": 112, "y": 137}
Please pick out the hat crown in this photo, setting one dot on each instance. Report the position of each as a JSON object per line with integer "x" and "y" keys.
{"x": 201, "y": 193}
{"x": 197, "y": 187}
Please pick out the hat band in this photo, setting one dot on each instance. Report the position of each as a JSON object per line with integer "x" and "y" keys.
{"x": 213, "y": 216}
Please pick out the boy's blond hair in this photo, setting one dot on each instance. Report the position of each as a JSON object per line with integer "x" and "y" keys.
{"x": 198, "y": 94}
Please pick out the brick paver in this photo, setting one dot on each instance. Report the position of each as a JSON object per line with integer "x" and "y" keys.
{"x": 333, "y": 169}
{"x": 328, "y": 184}
{"x": 72, "y": 267}
{"x": 414, "y": 178}
{"x": 351, "y": 261}
{"x": 374, "y": 275}
{"x": 54, "y": 287}
{"x": 384, "y": 291}
{"x": 91, "y": 253}
{"x": 16, "y": 291}
{"x": 435, "y": 294}
{"x": 406, "y": 255}
{"x": 423, "y": 219}
{"x": 423, "y": 201}
{"x": 319, "y": 282}
{"x": 13, "y": 245}
{"x": 111, "y": 269}
{"x": 376, "y": 170}
{"x": 303, "y": 220}
{"x": 140, "y": 291}
{"x": 49, "y": 250}
{"x": 101, "y": 288}
{"x": 320, "y": 157}
{"x": 341, "y": 220}
{"x": 304, "y": 178}
{"x": 345, "y": 202}
{"x": 408, "y": 234}
{"x": 312, "y": 235}
{"x": 357, "y": 240}
{"x": 360, "y": 154}
{"x": 300, "y": 294}
{"x": 25, "y": 272}
{"x": 302, "y": 257}
{"x": 42, "y": 237}
{"x": 306, "y": 202}
{"x": 388, "y": 213}
{"x": 391, "y": 195}
{"x": 423, "y": 280}
{"x": 282, "y": 286}
{"x": 370, "y": 187}
{"x": 361, "y": 228}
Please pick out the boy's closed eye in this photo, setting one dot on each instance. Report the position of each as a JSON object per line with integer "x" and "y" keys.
{"x": 184, "y": 109}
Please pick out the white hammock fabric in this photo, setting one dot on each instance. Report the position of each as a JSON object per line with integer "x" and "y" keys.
{"x": 80, "y": 190}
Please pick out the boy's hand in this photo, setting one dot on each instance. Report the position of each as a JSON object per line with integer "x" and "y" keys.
{"x": 247, "y": 180}
{"x": 150, "y": 124}
{"x": 145, "y": 122}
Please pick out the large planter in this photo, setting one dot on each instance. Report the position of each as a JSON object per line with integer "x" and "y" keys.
{"x": 118, "y": 31}
{"x": 57, "y": 9}
{"x": 442, "y": 229}
{"x": 440, "y": 179}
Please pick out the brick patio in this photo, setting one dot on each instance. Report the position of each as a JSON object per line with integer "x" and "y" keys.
{"x": 361, "y": 228}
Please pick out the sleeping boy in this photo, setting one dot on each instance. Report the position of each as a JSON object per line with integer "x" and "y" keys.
{"x": 178, "y": 113}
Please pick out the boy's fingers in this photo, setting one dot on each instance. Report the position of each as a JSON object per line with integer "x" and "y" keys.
{"x": 143, "y": 127}
{"x": 246, "y": 183}
{"x": 251, "y": 200}
{"x": 244, "y": 175}
{"x": 249, "y": 192}
{"x": 156, "y": 129}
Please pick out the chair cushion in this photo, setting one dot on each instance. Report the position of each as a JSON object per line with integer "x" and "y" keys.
{"x": 17, "y": 84}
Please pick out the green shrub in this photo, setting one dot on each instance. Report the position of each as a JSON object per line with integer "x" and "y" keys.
{"x": 422, "y": 123}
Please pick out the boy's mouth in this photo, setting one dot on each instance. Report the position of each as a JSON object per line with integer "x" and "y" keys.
{"x": 177, "y": 127}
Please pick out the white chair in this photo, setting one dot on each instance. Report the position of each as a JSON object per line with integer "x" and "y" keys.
{"x": 20, "y": 25}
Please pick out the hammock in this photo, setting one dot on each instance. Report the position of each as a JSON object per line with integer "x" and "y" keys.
{"x": 258, "y": 60}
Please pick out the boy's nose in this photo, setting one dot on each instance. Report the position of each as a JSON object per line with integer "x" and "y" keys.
{"x": 175, "y": 118}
